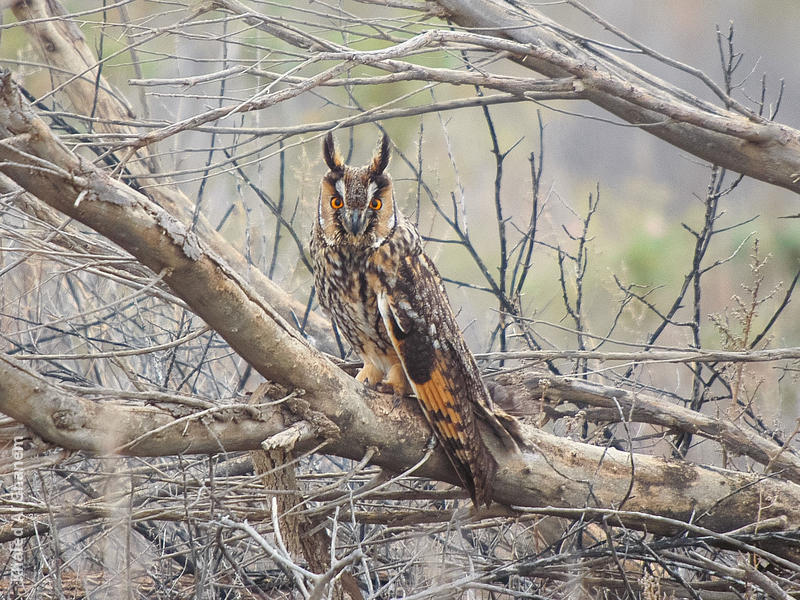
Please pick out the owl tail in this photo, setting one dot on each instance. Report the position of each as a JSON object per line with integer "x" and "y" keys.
{"x": 459, "y": 437}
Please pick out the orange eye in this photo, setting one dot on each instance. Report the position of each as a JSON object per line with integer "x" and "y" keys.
{"x": 375, "y": 204}
{"x": 336, "y": 203}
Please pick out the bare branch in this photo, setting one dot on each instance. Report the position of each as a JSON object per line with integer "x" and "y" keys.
{"x": 769, "y": 152}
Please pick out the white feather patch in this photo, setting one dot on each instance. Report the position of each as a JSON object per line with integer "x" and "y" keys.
{"x": 387, "y": 313}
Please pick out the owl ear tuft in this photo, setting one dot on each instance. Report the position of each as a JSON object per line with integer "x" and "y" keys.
{"x": 332, "y": 158}
{"x": 381, "y": 159}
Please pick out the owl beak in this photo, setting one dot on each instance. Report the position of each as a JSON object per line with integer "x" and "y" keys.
{"x": 355, "y": 221}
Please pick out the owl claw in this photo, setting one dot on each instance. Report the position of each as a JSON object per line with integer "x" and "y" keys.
{"x": 386, "y": 387}
{"x": 396, "y": 378}
{"x": 370, "y": 375}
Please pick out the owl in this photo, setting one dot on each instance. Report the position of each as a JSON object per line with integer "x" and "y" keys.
{"x": 387, "y": 299}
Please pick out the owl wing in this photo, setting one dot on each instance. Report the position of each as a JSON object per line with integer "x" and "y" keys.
{"x": 440, "y": 368}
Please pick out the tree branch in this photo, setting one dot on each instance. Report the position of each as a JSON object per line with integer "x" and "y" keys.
{"x": 528, "y": 391}
{"x": 63, "y": 46}
{"x": 554, "y": 471}
{"x": 766, "y": 151}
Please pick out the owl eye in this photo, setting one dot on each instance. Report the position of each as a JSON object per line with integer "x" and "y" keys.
{"x": 375, "y": 204}
{"x": 336, "y": 202}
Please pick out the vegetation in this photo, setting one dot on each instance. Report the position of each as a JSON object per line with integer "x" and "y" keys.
{"x": 180, "y": 419}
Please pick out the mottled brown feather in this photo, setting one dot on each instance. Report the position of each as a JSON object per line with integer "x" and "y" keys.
{"x": 441, "y": 370}
{"x": 388, "y": 301}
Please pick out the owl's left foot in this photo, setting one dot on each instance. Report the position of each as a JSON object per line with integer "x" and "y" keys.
{"x": 369, "y": 375}
{"x": 396, "y": 384}
{"x": 397, "y": 380}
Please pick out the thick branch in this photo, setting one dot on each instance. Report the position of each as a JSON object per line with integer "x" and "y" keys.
{"x": 38, "y": 162}
{"x": 770, "y": 153}
{"x": 528, "y": 390}
{"x": 558, "y": 473}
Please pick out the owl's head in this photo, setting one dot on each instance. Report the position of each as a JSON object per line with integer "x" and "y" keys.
{"x": 356, "y": 204}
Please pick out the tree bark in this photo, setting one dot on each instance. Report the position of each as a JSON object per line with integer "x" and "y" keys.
{"x": 524, "y": 392}
{"x": 555, "y": 472}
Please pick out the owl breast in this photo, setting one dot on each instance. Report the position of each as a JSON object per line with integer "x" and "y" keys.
{"x": 348, "y": 284}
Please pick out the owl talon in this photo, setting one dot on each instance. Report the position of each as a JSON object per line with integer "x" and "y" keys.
{"x": 396, "y": 378}
{"x": 386, "y": 388}
{"x": 370, "y": 375}
{"x": 396, "y": 400}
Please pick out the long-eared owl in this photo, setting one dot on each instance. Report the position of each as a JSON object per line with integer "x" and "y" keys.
{"x": 387, "y": 299}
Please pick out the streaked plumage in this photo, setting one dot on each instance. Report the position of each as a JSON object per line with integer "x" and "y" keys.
{"x": 387, "y": 299}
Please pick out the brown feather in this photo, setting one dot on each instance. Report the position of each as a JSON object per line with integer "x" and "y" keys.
{"x": 381, "y": 159}
{"x": 448, "y": 393}
{"x": 387, "y": 299}
{"x": 332, "y": 157}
